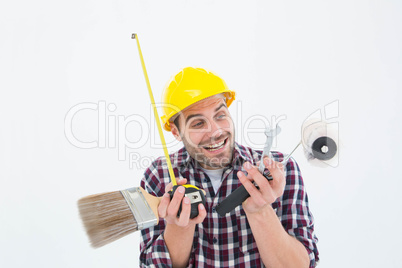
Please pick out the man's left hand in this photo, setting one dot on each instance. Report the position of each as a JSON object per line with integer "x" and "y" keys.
{"x": 268, "y": 191}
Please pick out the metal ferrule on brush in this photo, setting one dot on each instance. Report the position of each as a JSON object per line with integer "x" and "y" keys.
{"x": 142, "y": 212}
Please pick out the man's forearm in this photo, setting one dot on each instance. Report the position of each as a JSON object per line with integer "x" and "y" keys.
{"x": 179, "y": 241}
{"x": 277, "y": 248}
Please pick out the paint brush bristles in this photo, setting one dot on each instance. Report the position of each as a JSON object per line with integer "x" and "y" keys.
{"x": 113, "y": 215}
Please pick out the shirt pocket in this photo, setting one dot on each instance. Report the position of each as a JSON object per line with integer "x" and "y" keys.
{"x": 247, "y": 243}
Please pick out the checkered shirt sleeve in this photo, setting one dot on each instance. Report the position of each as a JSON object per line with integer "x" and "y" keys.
{"x": 294, "y": 213}
{"x": 154, "y": 252}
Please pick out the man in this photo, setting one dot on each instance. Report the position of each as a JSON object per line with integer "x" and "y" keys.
{"x": 272, "y": 228}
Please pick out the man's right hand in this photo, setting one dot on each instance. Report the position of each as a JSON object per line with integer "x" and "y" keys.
{"x": 168, "y": 209}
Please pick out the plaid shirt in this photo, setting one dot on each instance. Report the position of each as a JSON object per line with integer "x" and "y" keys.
{"x": 226, "y": 241}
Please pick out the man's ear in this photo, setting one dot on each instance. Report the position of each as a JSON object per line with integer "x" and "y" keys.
{"x": 175, "y": 131}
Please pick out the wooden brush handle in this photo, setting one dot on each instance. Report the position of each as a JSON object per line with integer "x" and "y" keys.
{"x": 153, "y": 201}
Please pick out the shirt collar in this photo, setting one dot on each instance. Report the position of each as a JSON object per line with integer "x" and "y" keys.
{"x": 242, "y": 153}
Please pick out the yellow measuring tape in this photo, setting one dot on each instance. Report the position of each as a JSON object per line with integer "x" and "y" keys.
{"x": 158, "y": 123}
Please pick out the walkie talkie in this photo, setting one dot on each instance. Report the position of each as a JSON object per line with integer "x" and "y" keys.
{"x": 195, "y": 194}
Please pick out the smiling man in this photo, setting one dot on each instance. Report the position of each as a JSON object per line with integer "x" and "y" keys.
{"x": 208, "y": 135}
{"x": 273, "y": 227}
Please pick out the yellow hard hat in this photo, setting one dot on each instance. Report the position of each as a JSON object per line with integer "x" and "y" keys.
{"x": 189, "y": 86}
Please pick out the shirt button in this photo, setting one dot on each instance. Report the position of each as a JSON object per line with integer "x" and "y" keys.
{"x": 215, "y": 240}
{"x": 205, "y": 180}
{"x": 213, "y": 209}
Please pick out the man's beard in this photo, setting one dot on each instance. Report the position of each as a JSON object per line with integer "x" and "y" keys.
{"x": 220, "y": 160}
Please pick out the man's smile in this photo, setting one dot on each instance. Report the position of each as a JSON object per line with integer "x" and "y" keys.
{"x": 216, "y": 147}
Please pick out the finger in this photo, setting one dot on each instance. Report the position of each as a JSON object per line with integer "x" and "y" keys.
{"x": 258, "y": 162}
{"x": 276, "y": 168}
{"x": 182, "y": 181}
{"x": 163, "y": 205}
{"x": 251, "y": 189}
{"x": 176, "y": 201}
{"x": 185, "y": 212}
{"x": 202, "y": 213}
{"x": 278, "y": 174}
{"x": 169, "y": 187}
{"x": 258, "y": 178}
{"x": 255, "y": 194}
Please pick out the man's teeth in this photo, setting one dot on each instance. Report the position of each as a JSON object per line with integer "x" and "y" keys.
{"x": 214, "y": 147}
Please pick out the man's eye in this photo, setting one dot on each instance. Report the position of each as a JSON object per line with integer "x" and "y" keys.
{"x": 199, "y": 124}
{"x": 221, "y": 116}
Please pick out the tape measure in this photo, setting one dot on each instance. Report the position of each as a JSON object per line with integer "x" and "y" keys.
{"x": 195, "y": 194}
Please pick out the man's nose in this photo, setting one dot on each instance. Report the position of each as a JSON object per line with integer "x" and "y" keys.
{"x": 216, "y": 130}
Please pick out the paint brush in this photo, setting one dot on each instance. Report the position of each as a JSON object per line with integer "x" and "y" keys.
{"x": 110, "y": 216}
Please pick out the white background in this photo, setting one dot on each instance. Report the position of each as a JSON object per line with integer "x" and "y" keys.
{"x": 284, "y": 58}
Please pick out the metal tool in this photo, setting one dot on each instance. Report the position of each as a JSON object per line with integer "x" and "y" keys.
{"x": 241, "y": 194}
{"x": 270, "y": 133}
